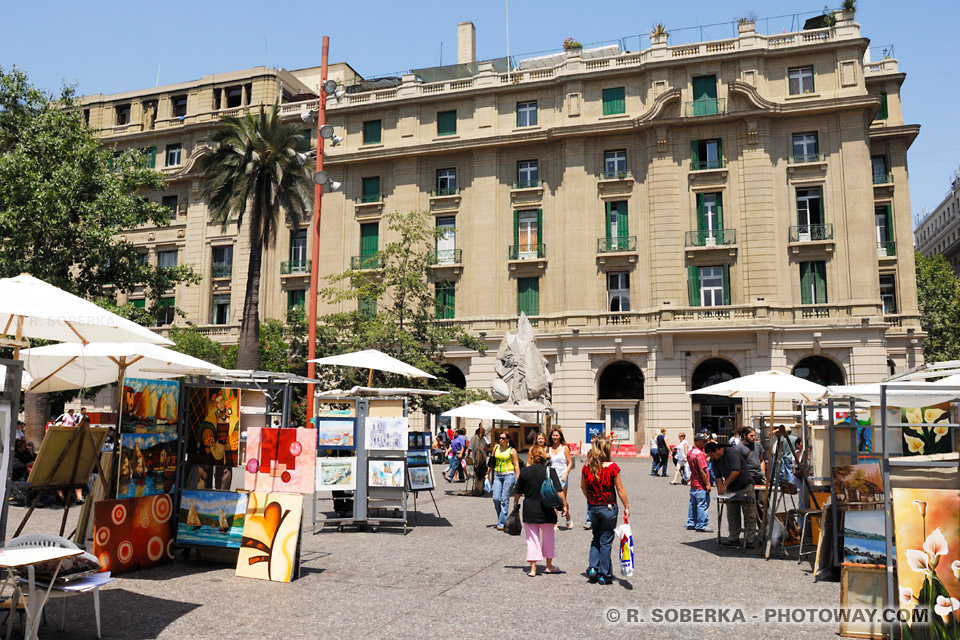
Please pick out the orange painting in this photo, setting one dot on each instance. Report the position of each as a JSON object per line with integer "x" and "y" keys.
{"x": 268, "y": 549}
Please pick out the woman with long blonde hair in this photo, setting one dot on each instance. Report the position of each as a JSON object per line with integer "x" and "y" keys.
{"x": 601, "y": 484}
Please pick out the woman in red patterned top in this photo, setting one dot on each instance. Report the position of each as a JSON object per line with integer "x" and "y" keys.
{"x": 600, "y": 483}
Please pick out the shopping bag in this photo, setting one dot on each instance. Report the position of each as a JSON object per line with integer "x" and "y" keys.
{"x": 626, "y": 548}
{"x": 487, "y": 488}
{"x": 513, "y": 525}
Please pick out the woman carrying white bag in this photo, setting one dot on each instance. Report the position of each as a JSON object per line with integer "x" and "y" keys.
{"x": 625, "y": 536}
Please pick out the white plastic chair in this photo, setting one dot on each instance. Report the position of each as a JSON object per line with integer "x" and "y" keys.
{"x": 50, "y": 540}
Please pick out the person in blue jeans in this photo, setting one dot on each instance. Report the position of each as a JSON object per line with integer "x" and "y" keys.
{"x": 698, "y": 514}
{"x": 458, "y": 447}
{"x": 505, "y": 469}
{"x": 660, "y": 460}
{"x": 601, "y": 484}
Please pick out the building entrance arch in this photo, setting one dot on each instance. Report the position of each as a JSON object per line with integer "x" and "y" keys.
{"x": 716, "y": 414}
{"x": 620, "y": 395}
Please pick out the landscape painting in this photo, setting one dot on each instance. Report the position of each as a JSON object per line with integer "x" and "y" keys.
{"x": 858, "y": 486}
{"x": 335, "y": 433}
{"x": 213, "y": 426}
{"x": 418, "y": 458}
{"x": 211, "y": 518}
{"x": 149, "y": 406}
{"x": 148, "y": 464}
{"x": 863, "y": 538}
{"x": 336, "y": 474}
{"x": 420, "y": 478}
{"x": 385, "y": 473}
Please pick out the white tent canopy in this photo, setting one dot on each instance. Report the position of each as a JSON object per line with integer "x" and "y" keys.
{"x": 374, "y": 360}
{"x": 761, "y": 385}
{"x": 481, "y": 410}
{"x": 70, "y": 365}
{"x": 916, "y": 395}
{"x": 32, "y": 308}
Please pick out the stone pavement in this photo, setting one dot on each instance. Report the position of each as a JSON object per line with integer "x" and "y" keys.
{"x": 456, "y": 576}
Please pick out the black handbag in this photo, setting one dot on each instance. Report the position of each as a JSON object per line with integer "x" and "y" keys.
{"x": 513, "y": 525}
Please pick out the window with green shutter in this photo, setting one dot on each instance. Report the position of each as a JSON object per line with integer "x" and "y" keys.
{"x": 139, "y": 304}
{"x": 617, "y": 226}
{"x": 369, "y": 239}
{"x": 813, "y": 282}
{"x": 614, "y": 101}
{"x": 693, "y": 286}
{"x": 372, "y": 131}
{"x": 166, "y": 311}
{"x": 704, "y": 95}
{"x": 367, "y": 307}
{"x": 528, "y": 296}
{"x": 706, "y": 154}
{"x": 296, "y": 298}
{"x": 370, "y": 189}
{"x": 882, "y": 113}
{"x": 445, "y": 301}
{"x": 447, "y": 123}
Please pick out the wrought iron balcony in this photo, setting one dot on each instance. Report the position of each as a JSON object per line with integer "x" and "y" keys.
{"x": 886, "y": 249}
{"x": 811, "y": 232}
{"x": 526, "y": 184}
{"x": 527, "y": 251}
{"x": 706, "y": 107}
{"x": 368, "y": 198}
{"x": 222, "y": 270}
{"x": 294, "y": 266}
{"x": 446, "y": 191}
{"x": 365, "y": 262}
{"x": 715, "y": 238}
{"x": 445, "y": 256}
{"x": 702, "y": 165}
{"x": 615, "y": 244}
{"x": 886, "y": 178}
{"x": 616, "y": 175}
{"x": 802, "y": 158}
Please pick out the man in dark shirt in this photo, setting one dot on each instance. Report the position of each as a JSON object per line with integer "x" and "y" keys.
{"x": 458, "y": 447}
{"x": 752, "y": 452}
{"x": 733, "y": 477}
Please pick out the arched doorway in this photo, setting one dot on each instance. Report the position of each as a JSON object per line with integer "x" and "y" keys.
{"x": 620, "y": 395}
{"x": 820, "y": 370}
{"x": 716, "y": 414}
{"x": 453, "y": 375}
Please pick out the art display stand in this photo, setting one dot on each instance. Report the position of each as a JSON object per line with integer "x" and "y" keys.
{"x": 372, "y": 506}
{"x": 11, "y": 372}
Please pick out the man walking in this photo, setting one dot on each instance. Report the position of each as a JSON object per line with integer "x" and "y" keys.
{"x": 734, "y": 478}
{"x": 698, "y": 515}
{"x": 458, "y": 447}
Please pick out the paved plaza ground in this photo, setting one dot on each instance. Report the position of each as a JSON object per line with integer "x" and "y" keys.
{"x": 456, "y": 576}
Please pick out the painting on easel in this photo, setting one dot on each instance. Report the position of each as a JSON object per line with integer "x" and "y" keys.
{"x": 54, "y": 442}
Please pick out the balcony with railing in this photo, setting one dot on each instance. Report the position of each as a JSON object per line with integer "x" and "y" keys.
{"x": 705, "y": 107}
{"x": 369, "y": 198}
{"x": 445, "y": 192}
{"x": 714, "y": 238}
{"x": 294, "y": 267}
{"x": 625, "y": 174}
{"x": 887, "y": 249}
{"x": 885, "y": 178}
{"x": 621, "y": 244}
{"x": 805, "y": 158}
{"x": 706, "y": 165}
{"x": 222, "y": 271}
{"x": 359, "y": 263}
{"x": 527, "y": 251}
{"x": 443, "y": 257}
{"x": 811, "y": 232}
{"x": 526, "y": 184}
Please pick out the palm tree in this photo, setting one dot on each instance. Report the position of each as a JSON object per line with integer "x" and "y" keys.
{"x": 253, "y": 169}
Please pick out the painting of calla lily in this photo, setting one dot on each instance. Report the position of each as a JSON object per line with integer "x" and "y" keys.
{"x": 928, "y": 560}
{"x": 927, "y": 438}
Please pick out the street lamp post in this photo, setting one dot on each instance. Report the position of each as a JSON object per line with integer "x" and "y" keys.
{"x": 315, "y": 250}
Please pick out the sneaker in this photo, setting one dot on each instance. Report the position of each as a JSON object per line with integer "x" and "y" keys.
{"x": 605, "y": 580}
{"x": 592, "y": 576}
{"x": 499, "y": 528}
{"x": 690, "y": 527}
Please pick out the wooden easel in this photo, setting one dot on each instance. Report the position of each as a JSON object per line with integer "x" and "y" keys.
{"x": 79, "y": 433}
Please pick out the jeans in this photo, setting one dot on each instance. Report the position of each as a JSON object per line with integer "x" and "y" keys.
{"x": 698, "y": 515}
{"x": 455, "y": 468}
{"x": 786, "y": 471}
{"x": 603, "y": 519}
{"x": 503, "y": 484}
{"x": 749, "y": 507}
{"x": 656, "y": 463}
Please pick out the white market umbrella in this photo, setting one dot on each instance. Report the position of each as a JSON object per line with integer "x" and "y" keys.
{"x": 32, "y": 308}
{"x": 372, "y": 359}
{"x": 70, "y": 365}
{"x": 481, "y": 410}
{"x": 917, "y": 395}
{"x": 764, "y": 384}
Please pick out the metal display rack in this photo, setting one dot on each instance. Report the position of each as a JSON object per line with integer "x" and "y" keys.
{"x": 11, "y": 372}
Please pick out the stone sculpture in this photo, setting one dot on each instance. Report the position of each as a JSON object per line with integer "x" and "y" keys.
{"x": 522, "y": 375}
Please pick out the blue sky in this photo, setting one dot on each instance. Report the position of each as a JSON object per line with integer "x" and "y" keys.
{"x": 108, "y": 46}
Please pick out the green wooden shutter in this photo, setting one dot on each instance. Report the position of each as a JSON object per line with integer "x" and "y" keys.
{"x": 446, "y": 123}
{"x": 622, "y": 228}
{"x": 820, "y": 278}
{"x": 139, "y": 304}
{"x": 705, "y": 87}
{"x": 693, "y": 286}
{"x": 695, "y": 154}
{"x": 528, "y": 296}
{"x": 367, "y": 307}
{"x": 726, "y": 284}
{"x": 516, "y": 234}
{"x": 701, "y": 218}
{"x": 369, "y": 239}
{"x": 539, "y": 233}
{"x": 882, "y": 113}
{"x": 152, "y": 157}
{"x": 517, "y": 113}
{"x": 720, "y": 152}
{"x": 372, "y": 132}
{"x": 889, "y": 217}
{"x": 371, "y": 188}
{"x": 719, "y": 197}
{"x": 614, "y": 101}
{"x": 607, "y": 223}
{"x": 805, "y": 297}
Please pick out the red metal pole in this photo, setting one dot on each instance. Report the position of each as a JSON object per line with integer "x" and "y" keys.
{"x": 315, "y": 249}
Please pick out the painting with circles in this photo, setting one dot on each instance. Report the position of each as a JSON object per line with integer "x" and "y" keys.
{"x": 133, "y": 533}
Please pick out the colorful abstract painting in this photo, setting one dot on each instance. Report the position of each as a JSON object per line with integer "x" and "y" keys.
{"x": 858, "y": 486}
{"x": 335, "y": 433}
{"x": 134, "y": 533}
{"x": 927, "y": 523}
{"x": 211, "y": 518}
{"x": 385, "y": 473}
{"x": 213, "y": 426}
{"x": 203, "y": 477}
{"x": 148, "y": 464}
{"x": 268, "y": 548}
{"x": 928, "y": 439}
{"x": 336, "y": 474}
{"x": 150, "y": 406}
{"x": 280, "y": 460}
{"x": 386, "y": 434}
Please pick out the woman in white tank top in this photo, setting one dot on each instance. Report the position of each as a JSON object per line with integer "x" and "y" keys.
{"x": 561, "y": 461}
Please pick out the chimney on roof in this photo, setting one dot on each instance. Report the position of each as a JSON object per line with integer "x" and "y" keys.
{"x": 466, "y": 43}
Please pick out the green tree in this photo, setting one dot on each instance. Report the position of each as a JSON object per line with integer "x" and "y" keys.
{"x": 193, "y": 343}
{"x": 404, "y": 322}
{"x": 938, "y": 291}
{"x": 253, "y": 172}
{"x": 64, "y": 198}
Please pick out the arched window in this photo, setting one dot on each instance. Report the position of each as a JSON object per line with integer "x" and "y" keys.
{"x": 621, "y": 380}
{"x": 454, "y": 376}
{"x": 820, "y": 370}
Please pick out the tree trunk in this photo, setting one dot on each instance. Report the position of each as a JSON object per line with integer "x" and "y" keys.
{"x": 36, "y": 412}
{"x": 248, "y": 347}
